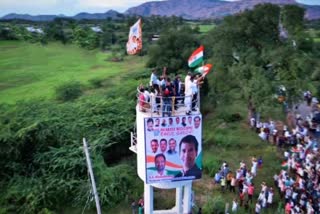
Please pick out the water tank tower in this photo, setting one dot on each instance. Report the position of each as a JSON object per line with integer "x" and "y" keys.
{"x": 168, "y": 145}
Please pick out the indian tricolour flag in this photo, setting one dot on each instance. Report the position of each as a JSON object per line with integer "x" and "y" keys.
{"x": 204, "y": 70}
{"x": 284, "y": 165}
{"x": 196, "y": 57}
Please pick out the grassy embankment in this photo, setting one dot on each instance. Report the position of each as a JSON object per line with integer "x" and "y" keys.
{"x": 30, "y": 71}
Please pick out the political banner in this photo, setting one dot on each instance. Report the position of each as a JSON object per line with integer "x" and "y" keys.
{"x": 173, "y": 148}
{"x": 134, "y": 44}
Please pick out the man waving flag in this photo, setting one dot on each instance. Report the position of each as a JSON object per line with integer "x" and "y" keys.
{"x": 134, "y": 44}
{"x": 196, "y": 57}
{"x": 204, "y": 70}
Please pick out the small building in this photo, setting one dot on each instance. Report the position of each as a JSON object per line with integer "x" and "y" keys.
{"x": 35, "y": 30}
{"x": 96, "y": 29}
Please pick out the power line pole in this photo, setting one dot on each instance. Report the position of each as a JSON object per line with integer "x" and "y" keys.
{"x": 93, "y": 183}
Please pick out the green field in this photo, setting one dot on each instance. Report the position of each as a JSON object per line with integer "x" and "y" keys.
{"x": 206, "y": 28}
{"x": 203, "y": 28}
{"x": 30, "y": 71}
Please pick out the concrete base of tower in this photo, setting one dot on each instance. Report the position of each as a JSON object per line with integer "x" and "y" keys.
{"x": 183, "y": 198}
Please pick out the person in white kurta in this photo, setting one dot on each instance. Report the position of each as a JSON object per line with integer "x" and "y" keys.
{"x": 234, "y": 206}
{"x": 254, "y": 168}
{"x": 188, "y": 93}
{"x": 270, "y": 197}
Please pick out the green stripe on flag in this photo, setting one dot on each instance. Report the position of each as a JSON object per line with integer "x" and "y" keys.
{"x": 196, "y": 62}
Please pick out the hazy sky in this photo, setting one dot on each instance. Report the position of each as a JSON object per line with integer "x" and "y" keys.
{"x": 72, "y": 7}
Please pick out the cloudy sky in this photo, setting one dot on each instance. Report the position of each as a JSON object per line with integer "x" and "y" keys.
{"x": 72, "y": 7}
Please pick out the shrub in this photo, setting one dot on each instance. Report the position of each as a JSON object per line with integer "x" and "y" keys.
{"x": 229, "y": 117}
{"x": 69, "y": 91}
{"x": 211, "y": 165}
{"x": 96, "y": 83}
{"x": 214, "y": 205}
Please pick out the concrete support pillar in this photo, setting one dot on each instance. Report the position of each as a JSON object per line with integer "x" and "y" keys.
{"x": 148, "y": 199}
{"x": 187, "y": 198}
{"x": 179, "y": 200}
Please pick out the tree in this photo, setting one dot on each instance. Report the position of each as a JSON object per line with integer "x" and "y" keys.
{"x": 246, "y": 47}
{"x": 293, "y": 18}
{"x": 173, "y": 49}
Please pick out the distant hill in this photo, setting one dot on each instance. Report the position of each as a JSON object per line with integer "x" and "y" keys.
{"x": 29, "y": 17}
{"x": 203, "y": 9}
{"x": 188, "y": 9}
{"x": 110, "y": 14}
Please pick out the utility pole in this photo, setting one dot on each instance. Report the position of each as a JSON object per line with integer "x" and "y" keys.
{"x": 93, "y": 183}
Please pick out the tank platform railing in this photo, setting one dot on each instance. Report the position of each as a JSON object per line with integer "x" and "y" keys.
{"x": 162, "y": 106}
{"x": 133, "y": 138}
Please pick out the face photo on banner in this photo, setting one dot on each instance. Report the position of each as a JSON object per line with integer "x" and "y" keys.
{"x": 173, "y": 148}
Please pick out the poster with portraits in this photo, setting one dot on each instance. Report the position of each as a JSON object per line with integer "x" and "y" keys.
{"x": 173, "y": 148}
{"x": 134, "y": 44}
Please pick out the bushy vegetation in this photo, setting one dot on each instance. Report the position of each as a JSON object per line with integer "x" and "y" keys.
{"x": 42, "y": 160}
{"x": 84, "y": 33}
{"x": 69, "y": 91}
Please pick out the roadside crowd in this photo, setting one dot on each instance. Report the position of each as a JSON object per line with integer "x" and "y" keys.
{"x": 298, "y": 183}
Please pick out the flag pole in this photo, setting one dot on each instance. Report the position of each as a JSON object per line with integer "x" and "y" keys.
{"x": 199, "y": 85}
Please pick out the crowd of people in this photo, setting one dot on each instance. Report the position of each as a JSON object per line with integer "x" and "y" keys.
{"x": 137, "y": 207}
{"x": 298, "y": 184}
{"x": 241, "y": 184}
{"x": 164, "y": 95}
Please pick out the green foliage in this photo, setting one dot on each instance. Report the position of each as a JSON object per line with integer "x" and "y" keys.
{"x": 293, "y": 18}
{"x": 69, "y": 91}
{"x": 250, "y": 56}
{"x": 223, "y": 138}
{"x": 115, "y": 183}
{"x": 85, "y": 37}
{"x": 211, "y": 165}
{"x": 173, "y": 49}
{"x": 214, "y": 205}
{"x": 229, "y": 117}
{"x": 42, "y": 160}
{"x": 97, "y": 82}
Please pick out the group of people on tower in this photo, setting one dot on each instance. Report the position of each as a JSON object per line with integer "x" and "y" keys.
{"x": 165, "y": 95}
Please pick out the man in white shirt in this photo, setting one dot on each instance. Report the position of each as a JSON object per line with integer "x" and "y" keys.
{"x": 153, "y": 78}
{"x": 188, "y": 93}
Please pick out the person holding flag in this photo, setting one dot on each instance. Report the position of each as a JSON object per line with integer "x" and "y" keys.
{"x": 204, "y": 70}
{"x": 191, "y": 86}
